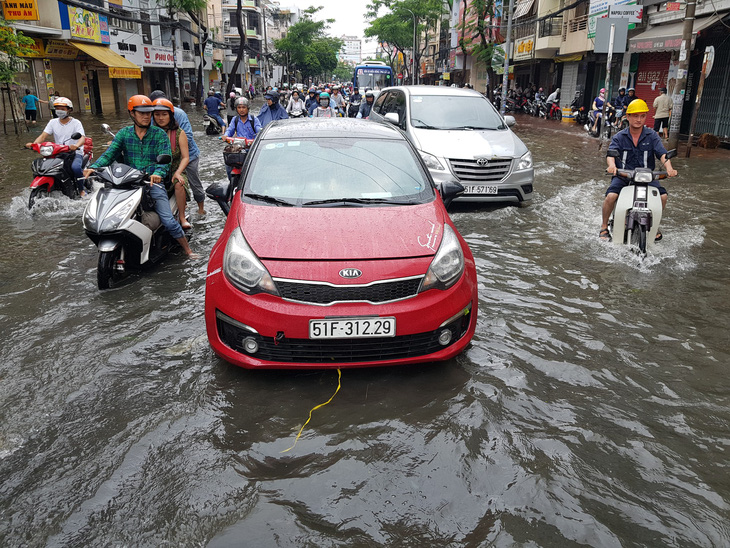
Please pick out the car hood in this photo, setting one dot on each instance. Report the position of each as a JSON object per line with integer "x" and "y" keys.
{"x": 468, "y": 144}
{"x": 331, "y": 233}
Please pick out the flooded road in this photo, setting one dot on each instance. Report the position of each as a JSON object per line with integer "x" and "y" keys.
{"x": 592, "y": 407}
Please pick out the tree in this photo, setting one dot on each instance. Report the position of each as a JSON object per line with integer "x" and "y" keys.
{"x": 12, "y": 45}
{"x": 476, "y": 32}
{"x": 173, "y": 8}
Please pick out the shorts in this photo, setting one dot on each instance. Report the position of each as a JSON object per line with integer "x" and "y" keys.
{"x": 660, "y": 123}
{"x": 30, "y": 115}
{"x": 617, "y": 183}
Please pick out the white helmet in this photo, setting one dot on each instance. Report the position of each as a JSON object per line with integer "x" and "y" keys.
{"x": 63, "y": 102}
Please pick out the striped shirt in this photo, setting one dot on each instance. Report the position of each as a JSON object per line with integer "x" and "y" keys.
{"x": 138, "y": 153}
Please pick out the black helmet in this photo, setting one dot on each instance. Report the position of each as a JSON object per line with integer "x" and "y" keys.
{"x": 157, "y": 94}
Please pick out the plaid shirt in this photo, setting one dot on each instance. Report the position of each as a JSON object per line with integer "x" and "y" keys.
{"x": 138, "y": 153}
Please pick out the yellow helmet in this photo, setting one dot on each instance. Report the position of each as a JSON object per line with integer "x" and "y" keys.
{"x": 637, "y": 106}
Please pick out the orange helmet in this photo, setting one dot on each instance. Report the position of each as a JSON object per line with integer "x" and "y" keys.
{"x": 163, "y": 104}
{"x": 140, "y": 103}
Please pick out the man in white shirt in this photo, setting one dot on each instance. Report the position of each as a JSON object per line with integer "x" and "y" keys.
{"x": 61, "y": 130}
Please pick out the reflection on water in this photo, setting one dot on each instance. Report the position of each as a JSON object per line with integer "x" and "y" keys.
{"x": 590, "y": 409}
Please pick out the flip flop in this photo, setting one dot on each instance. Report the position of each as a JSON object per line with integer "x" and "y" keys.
{"x": 604, "y": 235}
{"x": 186, "y": 226}
{"x": 658, "y": 237}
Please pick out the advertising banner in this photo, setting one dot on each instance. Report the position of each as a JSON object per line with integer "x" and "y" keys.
{"x": 88, "y": 25}
{"x": 155, "y": 56}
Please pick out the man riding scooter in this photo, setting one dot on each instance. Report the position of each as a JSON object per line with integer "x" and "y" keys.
{"x": 637, "y": 146}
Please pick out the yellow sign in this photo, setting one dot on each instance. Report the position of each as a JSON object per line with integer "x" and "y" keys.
{"x": 60, "y": 49}
{"x": 37, "y": 48}
{"x": 84, "y": 24}
{"x": 16, "y": 10}
{"x": 124, "y": 72}
{"x": 524, "y": 47}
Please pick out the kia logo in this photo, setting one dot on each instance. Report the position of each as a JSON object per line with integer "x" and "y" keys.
{"x": 482, "y": 161}
{"x": 350, "y": 273}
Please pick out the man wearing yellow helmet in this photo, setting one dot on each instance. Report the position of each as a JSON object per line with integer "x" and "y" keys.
{"x": 637, "y": 146}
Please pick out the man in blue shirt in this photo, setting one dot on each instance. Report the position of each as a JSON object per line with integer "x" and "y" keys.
{"x": 272, "y": 110}
{"x": 31, "y": 108}
{"x": 212, "y": 105}
{"x": 637, "y": 146}
{"x": 244, "y": 125}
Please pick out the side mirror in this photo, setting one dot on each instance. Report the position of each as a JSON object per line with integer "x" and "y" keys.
{"x": 510, "y": 121}
{"x": 164, "y": 159}
{"x": 107, "y": 129}
{"x": 672, "y": 153}
{"x": 76, "y": 136}
{"x": 613, "y": 153}
{"x": 392, "y": 117}
{"x": 450, "y": 190}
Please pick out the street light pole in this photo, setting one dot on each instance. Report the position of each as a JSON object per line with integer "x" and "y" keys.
{"x": 413, "y": 54}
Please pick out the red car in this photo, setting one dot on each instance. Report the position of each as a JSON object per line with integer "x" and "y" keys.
{"x": 338, "y": 252}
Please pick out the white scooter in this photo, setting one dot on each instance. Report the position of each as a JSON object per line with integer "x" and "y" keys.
{"x": 638, "y": 210}
{"x": 120, "y": 219}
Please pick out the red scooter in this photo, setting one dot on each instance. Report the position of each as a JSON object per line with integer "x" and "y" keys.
{"x": 53, "y": 170}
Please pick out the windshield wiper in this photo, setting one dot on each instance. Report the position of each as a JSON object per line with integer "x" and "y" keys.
{"x": 470, "y": 127}
{"x": 269, "y": 199}
{"x": 423, "y": 125}
{"x": 356, "y": 201}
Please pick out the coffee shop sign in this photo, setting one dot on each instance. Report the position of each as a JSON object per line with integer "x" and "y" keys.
{"x": 158, "y": 57}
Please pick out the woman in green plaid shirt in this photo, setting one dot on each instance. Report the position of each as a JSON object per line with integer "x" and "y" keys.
{"x": 139, "y": 146}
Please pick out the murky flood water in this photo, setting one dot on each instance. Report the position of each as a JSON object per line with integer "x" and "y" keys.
{"x": 592, "y": 407}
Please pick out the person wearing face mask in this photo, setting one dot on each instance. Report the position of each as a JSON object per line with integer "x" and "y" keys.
{"x": 311, "y": 103}
{"x": 272, "y": 110}
{"x": 324, "y": 110}
{"x": 61, "y": 130}
{"x": 367, "y": 105}
{"x": 598, "y": 108}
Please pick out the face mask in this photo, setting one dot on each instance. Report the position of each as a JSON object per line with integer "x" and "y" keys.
{"x": 325, "y": 103}
{"x": 61, "y": 114}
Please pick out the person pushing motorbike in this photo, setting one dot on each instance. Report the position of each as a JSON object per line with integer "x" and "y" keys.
{"x": 637, "y": 146}
{"x": 140, "y": 144}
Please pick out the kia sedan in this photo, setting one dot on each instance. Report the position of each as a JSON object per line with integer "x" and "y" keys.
{"x": 461, "y": 136}
{"x": 338, "y": 252}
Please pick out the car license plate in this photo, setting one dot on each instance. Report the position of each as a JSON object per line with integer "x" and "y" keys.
{"x": 480, "y": 189}
{"x": 351, "y": 328}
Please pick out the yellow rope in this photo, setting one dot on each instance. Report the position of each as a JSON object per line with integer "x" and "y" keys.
{"x": 339, "y": 378}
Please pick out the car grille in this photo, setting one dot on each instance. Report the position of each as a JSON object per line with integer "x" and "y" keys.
{"x": 469, "y": 171}
{"x": 324, "y": 293}
{"x": 341, "y": 350}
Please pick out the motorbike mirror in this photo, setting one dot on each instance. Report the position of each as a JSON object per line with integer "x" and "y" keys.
{"x": 164, "y": 159}
{"x": 450, "y": 190}
{"x": 672, "y": 153}
{"x": 612, "y": 153}
{"x": 76, "y": 136}
{"x": 510, "y": 120}
{"x": 107, "y": 129}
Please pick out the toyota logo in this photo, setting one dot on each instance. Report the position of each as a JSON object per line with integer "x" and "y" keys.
{"x": 350, "y": 273}
{"x": 482, "y": 161}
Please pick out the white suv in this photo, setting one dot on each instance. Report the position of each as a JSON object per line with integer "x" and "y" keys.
{"x": 461, "y": 137}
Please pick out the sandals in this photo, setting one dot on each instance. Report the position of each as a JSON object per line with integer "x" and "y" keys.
{"x": 604, "y": 235}
{"x": 658, "y": 237}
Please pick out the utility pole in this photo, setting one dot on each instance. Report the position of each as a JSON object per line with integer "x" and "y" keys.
{"x": 505, "y": 76}
{"x": 413, "y": 53}
{"x": 607, "y": 82}
{"x": 174, "y": 56}
{"x": 680, "y": 88}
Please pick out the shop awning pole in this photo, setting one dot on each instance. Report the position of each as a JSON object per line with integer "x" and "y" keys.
{"x": 680, "y": 87}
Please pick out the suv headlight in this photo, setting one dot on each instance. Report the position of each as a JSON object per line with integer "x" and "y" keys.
{"x": 243, "y": 269}
{"x": 431, "y": 161}
{"x": 448, "y": 264}
{"x": 525, "y": 162}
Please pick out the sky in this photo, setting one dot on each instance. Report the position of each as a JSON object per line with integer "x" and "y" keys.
{"x": 349, "y": 18}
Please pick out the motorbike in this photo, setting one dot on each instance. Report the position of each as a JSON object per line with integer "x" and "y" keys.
{"x": 234, "y": 155}
{"x": 212, "y": 126}
{"x": 120, "y": 219}
{"x": 353, "y": 108}
{"x": 53, "y": 170}
{"x": 554, "y": 112}
{"x": 580, "y": 114}
{"x": 638, "y": 210}
{"x": 298, "y": 114}
{"x": 607, "y": 128}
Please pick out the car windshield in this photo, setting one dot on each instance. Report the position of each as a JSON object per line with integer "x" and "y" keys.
{"x": 336, "y": 172}
{"x": 454, "y": 112}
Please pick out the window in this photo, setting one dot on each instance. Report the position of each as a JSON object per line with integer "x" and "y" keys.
{"x": 120, "y": 23}
{"x": 378, "y": 106}
{"x": 146, "y": 29}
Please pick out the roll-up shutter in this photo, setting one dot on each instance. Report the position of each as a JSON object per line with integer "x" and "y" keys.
{"x": 653, "y": 72}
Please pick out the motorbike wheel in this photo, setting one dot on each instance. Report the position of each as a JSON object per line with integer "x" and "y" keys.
{"x": 106, "y": 276}
{"x": 558, "y": 115}
{"x": 35, "y": 194}
{"x": 638, "y": 238}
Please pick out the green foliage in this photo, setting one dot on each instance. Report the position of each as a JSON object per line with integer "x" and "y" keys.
{"x": 176, "y": 6}
{"x": 12, "y": 44}
{"x": 343, "y": 72}
{"x": 307, "y": 48}
{"x": 475, "y": 34}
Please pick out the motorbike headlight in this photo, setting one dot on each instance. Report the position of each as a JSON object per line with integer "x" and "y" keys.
{"x": 46, "y": 151}
{"x": 643, "y": 177}
{"x": 244, "y": 269}
{"x": 525, "y": 162}
{"x": 448, "y": 264}
{"x": 118, "y": 215}
{"x": 430, "y": 160}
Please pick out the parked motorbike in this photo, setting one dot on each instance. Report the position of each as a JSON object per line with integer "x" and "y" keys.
{"x": 120, "y": 219}
{"x": 638, "y": 210}
{"x": 234, "y": 155}
{"x": 212, "y": 126}
{"x": 580, "y": 113}
{"x": 53, "y": 170}
{"x": 554, "y": 112}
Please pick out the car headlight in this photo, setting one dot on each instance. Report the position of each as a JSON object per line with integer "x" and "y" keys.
{"x": 430, "y": 160}
{"x": 243, "y": 269}
{"x": 448, "y": 264}
{"x": 525, "y": 162}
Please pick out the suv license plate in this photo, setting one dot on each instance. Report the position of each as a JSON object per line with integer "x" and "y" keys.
{"x": 352, "y": 328}
{"x": 480, "y": 189}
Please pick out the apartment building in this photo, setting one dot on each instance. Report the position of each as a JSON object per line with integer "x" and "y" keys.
{"x": 351, "y": 51}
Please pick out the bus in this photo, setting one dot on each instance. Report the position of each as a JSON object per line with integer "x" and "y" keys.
{"x": 375, "y": 75}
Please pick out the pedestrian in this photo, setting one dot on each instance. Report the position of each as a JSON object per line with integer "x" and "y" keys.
{"x": 662, "y": 112}
{"x": 31, "y": 106}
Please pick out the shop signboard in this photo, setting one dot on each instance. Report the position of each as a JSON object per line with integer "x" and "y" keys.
{"x": 60, "y": 49}
{"x": 20, "y": 10}
{"x": 599, "y": 8}
{"x": 155, "y": 56}
{"x": 37, "y": 49}
{"x": 524, "y": 48}
{"x": 88, "y": 25}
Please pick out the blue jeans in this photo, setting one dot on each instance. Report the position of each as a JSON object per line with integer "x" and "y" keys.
{"x": 220, "y": 120}
{"x": 76, "y": 168}
{"x": 162, "y": 207}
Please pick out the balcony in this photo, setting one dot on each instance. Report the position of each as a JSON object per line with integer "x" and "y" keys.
{"x": 575, "y": 36}
{"x": 249, "y": 5}
{"x": 549, "y": 36}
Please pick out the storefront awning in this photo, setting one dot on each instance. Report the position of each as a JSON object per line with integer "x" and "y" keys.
{"x": 119, "y": 67}
{"x": 523, "y": 6}
{"x": 568, "y": 58}
{"x": 668, "y": 37}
